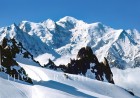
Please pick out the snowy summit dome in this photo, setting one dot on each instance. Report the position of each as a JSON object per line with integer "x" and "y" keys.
{"x": 67, "y": 22}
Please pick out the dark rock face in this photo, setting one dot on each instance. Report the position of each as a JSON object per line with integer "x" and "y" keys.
{"x": 51, "y": 65}
{"x": 103, "y": 69}
{"x": 9, "y": 49}
{"x": 85, "y": 58}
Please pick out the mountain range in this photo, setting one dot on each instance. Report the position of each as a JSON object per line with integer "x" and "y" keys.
{"x": 33, "y": 50}
{"x": 66, "y": 36}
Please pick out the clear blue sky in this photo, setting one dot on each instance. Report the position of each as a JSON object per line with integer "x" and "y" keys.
{"x": 115, "y": 13}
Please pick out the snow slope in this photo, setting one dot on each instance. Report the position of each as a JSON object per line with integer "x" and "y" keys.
{"x": 128, "y": 79}
{"x": 49, "y": 84}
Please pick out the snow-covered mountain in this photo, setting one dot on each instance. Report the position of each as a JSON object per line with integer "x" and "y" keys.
{"x": 65, "y": 37}
{"x": 32, "y": 43}
{"x": 57, "y": 42}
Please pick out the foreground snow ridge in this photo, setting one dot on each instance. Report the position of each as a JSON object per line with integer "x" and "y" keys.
{"x": 52, "y": 84}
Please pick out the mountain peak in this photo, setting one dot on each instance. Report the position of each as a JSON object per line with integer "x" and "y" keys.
{"x": 48, "y": 20}
{"x": 14, "y": 25}
{"x": 24, "y": 22}
{"x": 68, "y": 18}
{"x": 100, "y": 25}
{"x": 69, "y": 22}
{"x": 50, "y": 24}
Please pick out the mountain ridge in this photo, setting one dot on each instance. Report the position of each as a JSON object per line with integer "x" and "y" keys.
{"x": 68, "y": 35}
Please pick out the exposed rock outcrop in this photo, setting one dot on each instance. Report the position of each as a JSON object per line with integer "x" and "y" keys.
{"x": 86, "y": 58}
{"x": 9, "y": 49}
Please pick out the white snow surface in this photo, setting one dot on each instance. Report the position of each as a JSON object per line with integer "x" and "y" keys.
{"x": 52, "y": 84}
{"x": 128, "y": 79}
{"x": 43, "y": 59}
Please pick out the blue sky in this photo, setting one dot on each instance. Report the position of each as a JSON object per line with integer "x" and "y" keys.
{"x": 123, "y": 14}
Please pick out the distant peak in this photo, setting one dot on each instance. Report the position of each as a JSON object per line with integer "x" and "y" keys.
{"x": 98, "y": 24}
{"x": 25, "y": 21}
{"x": 123, "y": 31}
{"x": 48, "y": 21}
{"x": 68, "y": 19}
{"x": 50, "y": 24}
{"x": 14, "y": 26}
